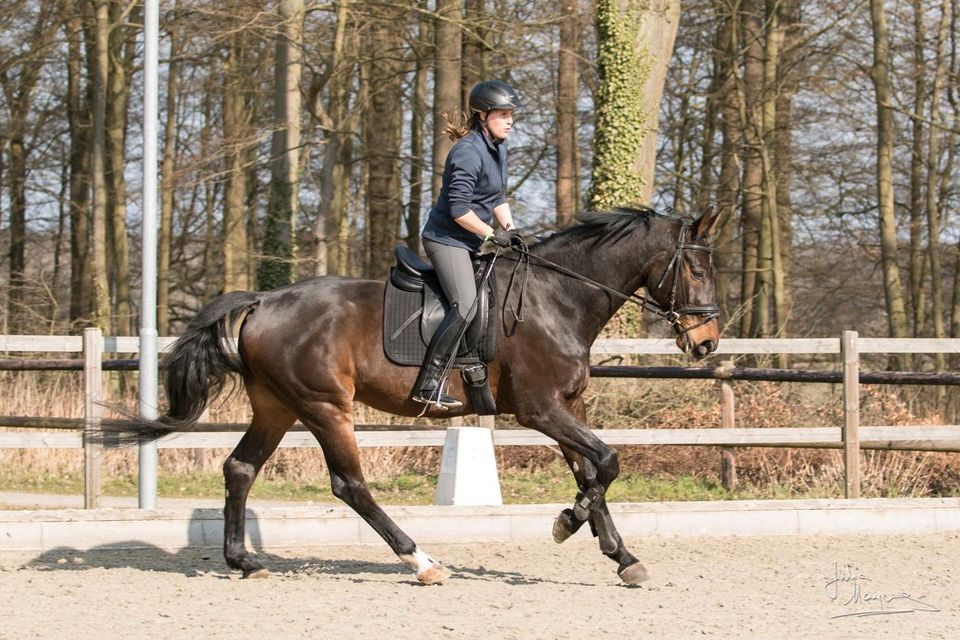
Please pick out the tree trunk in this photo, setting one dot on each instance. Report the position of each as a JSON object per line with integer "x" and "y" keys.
{"x": 382, "y": 125}
{"x": 446, "y": 83}
{"x": 235, "y": 121}
{"x": 783, "y": 157}
{"x": 568, "y": 187}
{"x": 100, "y": 303}
{"x": 728, "y": 185}
{"x": 916, "y": 172}
{"x": 16, "y": 320}
{"x": 121, "y": 47}
{"x": 212, "y": 279}
{"x": 933, "y": 201}
{"x": 752, "y": 293}
{"x": 423, "y": 51}
{"x": 330, "y": 253}
{"x": 167, "y": 181}
{"x": 18, "y": 90}
{"x": 78, "y": 121}
{"x": 474, "y": 67}
{"x": 634, "y": 45}
{"x": 893, "y": 291}
{"x": 276, "y": 266}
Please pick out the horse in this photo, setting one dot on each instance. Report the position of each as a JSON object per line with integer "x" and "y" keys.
{"x": 310, "y": 350}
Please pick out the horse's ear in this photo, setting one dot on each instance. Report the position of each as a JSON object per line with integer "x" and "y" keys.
{"x": 706, "y": 223}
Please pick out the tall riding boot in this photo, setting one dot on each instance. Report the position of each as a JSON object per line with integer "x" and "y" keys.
{"x": 442, "y": 349}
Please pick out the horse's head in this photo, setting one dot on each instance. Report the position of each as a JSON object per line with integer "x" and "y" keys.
{"x": 682, "y": 283}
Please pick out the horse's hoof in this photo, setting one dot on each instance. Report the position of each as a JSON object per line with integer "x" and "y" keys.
{"x": 560, "y": 530}
{"x": 259, "y": 573}
{"x": 433, "y": 575}
{"x": 633, "y": 573}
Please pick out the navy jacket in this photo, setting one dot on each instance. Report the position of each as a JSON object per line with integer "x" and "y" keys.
{"x": 474, "y": 178}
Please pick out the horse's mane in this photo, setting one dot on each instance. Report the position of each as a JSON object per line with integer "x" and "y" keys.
{"x": 603, "y": 227}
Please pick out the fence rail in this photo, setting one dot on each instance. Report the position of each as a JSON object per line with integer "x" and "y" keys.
{"x": 851, "y": 436}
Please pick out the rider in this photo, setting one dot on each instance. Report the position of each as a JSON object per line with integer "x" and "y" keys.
{"x": 472, "y": 194}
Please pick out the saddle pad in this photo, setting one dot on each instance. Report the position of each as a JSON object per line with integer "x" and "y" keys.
{"x": 403, "y": 342}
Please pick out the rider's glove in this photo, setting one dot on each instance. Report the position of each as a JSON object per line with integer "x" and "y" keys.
{"x": 506, "y": 238}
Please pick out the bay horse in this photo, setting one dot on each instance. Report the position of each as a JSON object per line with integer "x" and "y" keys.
{"x": 309, "y": 350}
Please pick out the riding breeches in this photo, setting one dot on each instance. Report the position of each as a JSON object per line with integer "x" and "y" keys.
{"x": 455, "y": 271}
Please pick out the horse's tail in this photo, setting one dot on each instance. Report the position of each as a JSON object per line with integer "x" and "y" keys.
{"x": 201, "y": 359}
{"x": 197, "y": 368}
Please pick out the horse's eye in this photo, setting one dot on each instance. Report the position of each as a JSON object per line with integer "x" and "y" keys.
{"x": 699, "y": 275}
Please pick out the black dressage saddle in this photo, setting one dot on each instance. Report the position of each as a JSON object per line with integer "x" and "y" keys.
{"x": 414, "y": 306}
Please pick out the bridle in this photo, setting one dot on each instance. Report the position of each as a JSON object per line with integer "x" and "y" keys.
{"x": 671, "y": 314}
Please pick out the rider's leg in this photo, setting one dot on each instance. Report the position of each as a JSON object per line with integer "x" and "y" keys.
{"x": 455, "y": 272}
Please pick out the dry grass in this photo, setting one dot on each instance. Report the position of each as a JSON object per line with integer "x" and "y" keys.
{"x": 611, "y": 403}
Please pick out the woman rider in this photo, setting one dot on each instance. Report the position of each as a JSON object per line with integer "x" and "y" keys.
{"x": 472, "y": 194}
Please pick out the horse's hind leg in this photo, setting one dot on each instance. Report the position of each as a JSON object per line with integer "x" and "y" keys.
{"x": 271, "y": 420}
{"x": 333, "y": 427}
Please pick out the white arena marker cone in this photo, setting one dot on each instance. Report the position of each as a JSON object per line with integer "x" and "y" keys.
{"x": 468, "y": 471}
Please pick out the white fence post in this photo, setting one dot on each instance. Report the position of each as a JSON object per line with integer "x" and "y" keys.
{"x": 92, "y": 414}
{"x": 851, "y": 414}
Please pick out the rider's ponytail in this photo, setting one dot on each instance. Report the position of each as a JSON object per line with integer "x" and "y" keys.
{"x": 460, "y": 128}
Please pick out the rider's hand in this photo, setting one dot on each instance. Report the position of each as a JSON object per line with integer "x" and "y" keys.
{"x": 506, "y": 238}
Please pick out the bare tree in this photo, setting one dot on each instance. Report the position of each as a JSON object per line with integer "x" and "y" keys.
{"x": 568, "y": 187}
{"x": 880, "y": 74}
{"x": 18, "y": 90}
{"x": 446, "y": 82}
{"x": 122, "y": 48}
{"x": 382, "y": 123}
{"x": 423, "y": 54}
{"x": 236, "y": 119}
{"x": 167, "y": 182}
{"x": 100, "y": 307}
{"x": 276, "y": 265}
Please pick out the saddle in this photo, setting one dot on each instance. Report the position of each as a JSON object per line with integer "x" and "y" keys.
{"x": 413, "y": 308}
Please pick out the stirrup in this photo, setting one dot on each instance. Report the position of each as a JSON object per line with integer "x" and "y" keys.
{"x": 439, "y": 400}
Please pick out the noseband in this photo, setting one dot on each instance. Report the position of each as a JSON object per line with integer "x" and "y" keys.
{"x": 671, "y": 314}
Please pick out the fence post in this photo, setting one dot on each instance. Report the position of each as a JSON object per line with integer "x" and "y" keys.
{"x": 92, "y": 413}
{"x": 728, "y": 462}
{"x": 851, "y": 414}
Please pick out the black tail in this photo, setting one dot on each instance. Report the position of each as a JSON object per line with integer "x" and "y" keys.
{"x": 196, "y": 369}
{"x": 200, "y": 360}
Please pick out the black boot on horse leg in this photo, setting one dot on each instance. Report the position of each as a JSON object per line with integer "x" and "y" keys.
{"x": 443, "y": 348}
{"x": 593, "y": 506}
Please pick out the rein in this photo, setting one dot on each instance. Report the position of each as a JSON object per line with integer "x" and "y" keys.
{"x": 671, "y": 315}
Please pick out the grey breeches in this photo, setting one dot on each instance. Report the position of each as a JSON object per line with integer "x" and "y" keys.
{"x": 455, "y": 272}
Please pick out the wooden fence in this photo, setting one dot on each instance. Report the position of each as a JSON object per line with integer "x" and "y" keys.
{"x": 851, "y": 436}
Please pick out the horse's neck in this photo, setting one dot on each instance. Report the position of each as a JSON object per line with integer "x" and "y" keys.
{"x": 620, "y": 266}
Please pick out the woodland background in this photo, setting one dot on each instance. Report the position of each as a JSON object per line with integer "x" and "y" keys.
{"x": 301, "y": 138}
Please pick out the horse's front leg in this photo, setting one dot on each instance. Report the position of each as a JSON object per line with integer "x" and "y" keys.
{"x": 590, "y": 505}
{"x": 630, "y": 570}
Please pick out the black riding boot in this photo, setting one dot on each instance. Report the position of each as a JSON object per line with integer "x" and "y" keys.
{"x": 442, "y": 349}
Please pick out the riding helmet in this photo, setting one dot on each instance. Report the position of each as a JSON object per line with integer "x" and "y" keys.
{"x": 493, "y": 94}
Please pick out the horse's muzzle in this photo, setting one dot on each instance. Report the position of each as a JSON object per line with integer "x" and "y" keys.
{"x": 700, "y": 340}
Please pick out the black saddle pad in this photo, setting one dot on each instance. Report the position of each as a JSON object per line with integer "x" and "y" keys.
{"x": 412, "y": 311}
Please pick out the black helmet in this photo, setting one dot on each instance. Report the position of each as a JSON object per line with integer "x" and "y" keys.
{"x": 493, "y": 94}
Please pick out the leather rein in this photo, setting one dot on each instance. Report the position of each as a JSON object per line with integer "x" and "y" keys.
{"x": 672, "y": 314}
